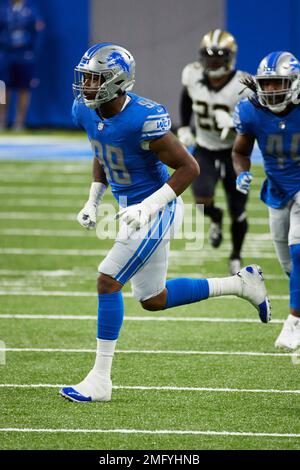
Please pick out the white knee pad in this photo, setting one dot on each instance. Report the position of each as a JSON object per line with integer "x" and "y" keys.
{"x": 279, "y": 226}
{"x": 294, "y": 233}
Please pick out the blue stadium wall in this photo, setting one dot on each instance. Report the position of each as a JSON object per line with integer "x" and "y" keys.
{"x": 263, "y": 26}
{"x": 65, "y": 39}
{"x": 161, "y": 47}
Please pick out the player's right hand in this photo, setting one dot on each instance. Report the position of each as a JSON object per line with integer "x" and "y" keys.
{"x": 88, "y": 215}
{"x": 243, "y": 182}
{"x": 186, "y": 136}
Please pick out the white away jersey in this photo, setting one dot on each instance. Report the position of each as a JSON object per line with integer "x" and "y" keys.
{"x": 206, "y": 100}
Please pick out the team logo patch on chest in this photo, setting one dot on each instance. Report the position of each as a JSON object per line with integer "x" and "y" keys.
{"x": 281, "y": 125}
{"x": 100, "y": 126}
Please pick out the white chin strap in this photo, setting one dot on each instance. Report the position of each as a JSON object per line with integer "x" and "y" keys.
{"x": 277, "y": 108}
{"x": 92, "y": 104}
{"x": 218, "y": 72}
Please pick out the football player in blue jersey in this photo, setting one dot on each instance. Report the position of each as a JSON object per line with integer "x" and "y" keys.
{"x": 133, "y": 146}
{"x": 272, "y": 117}
{"x": 21, "y": 35}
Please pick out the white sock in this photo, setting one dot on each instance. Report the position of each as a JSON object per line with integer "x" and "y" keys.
{"x": 225, "y": 286}
{"x": 104, "y": 357}
{"x": 292, "y": 320}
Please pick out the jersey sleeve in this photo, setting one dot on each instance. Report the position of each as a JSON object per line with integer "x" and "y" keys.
{"x": 156, "y": 125}
{"x": 76, "y": 114}
{"x": 185, "y": 75}
{"x": 241, "y": 120}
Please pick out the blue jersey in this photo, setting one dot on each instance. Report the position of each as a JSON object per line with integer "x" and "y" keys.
{"x": 20, "y": 29}
{"x": 121, "y": 145}
{"x": 279, "y": 141}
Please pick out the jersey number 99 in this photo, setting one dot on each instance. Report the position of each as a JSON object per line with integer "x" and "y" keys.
{"x": 112, "y": 160}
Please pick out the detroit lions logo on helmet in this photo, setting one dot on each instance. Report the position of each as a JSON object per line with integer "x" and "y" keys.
{"x": 110, "y": 68}
{"x": 294, "y": 64}
{"x": 116, "y": 58}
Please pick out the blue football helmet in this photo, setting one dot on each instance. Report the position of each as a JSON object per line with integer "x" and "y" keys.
{"x": 105, "y": 71}
{"x": 285, "y": 69}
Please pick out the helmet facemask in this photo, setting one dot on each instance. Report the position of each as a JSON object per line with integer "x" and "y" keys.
{"x": 98, "y": 88}
{"x": 284, "y": 92}
{"x": 216, "y": 62}
{"x": 278, "y": 81}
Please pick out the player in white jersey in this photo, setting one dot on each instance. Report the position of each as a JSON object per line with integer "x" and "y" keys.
{"x": 211, "y": 89}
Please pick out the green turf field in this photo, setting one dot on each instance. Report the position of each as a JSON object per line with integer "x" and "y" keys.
{"x": 204, "y": 376}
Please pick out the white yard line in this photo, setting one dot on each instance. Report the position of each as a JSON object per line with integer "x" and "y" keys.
{"x": 150, "y": 431}
{"x": 166, "y": 388}
{"x": 48, "y": 191}
{"x": 25, "y": 232}
{"x": 166, "y": 318}
{"x": 155, "y": 352}
{"x": 31, "y": 179}
{"x": 71, "y": 202}
{"x": 56, "y": 273}
{"x": 37, "y": 216}
{"x": 82, "y": 168}
{"x": 51, "y": 252}
{"x": 72, "y": 217}
{"x": 27, "y": 292}
{"x": 44, "y": 191}
{"x": 57, "y": 203}
{"x": 183, "y": 257}
{"x": 46, "y": 273}
{"x": 277, "y": 277}
{"x": 260, "y": 245}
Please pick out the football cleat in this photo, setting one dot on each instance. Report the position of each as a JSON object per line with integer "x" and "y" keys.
{"x": 235, "y": 265}
{"x": 289, "y": 337}
{"x": 92, "y": 388}
{"x": 254, "y": 290}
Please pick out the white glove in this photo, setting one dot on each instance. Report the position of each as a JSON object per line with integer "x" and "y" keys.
{"x": 88, "y": 215}
{"x": 243, "y": 182}
{"x": 135, "y": 216}
{"x": 138, "y": 215}
{"x": 186, "y": 136}
{"x": 224, "y": 121}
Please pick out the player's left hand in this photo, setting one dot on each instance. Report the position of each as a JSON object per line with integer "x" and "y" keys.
{"x": 243, "y": 182}
{"x": 224, "y": 121}
{"x": 135, "y": 216}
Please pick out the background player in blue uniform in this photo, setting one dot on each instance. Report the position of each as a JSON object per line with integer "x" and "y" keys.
{"x": 272, "y": 117}
{"x": 20, "y": 42}
{"x": 133, "y": 144}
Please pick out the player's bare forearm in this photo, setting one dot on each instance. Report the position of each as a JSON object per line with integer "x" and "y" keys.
{"x": 98, "y": 172}
{"x": 170, "y": 151}
{"x": 241, "y": 152}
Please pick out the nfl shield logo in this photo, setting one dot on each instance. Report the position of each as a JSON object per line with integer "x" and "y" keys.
{"x": 100, "y": 126}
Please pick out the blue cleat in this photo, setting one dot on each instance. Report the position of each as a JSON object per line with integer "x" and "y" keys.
{"x": 93, "y": 388}
{"x": 70, "y": 394}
